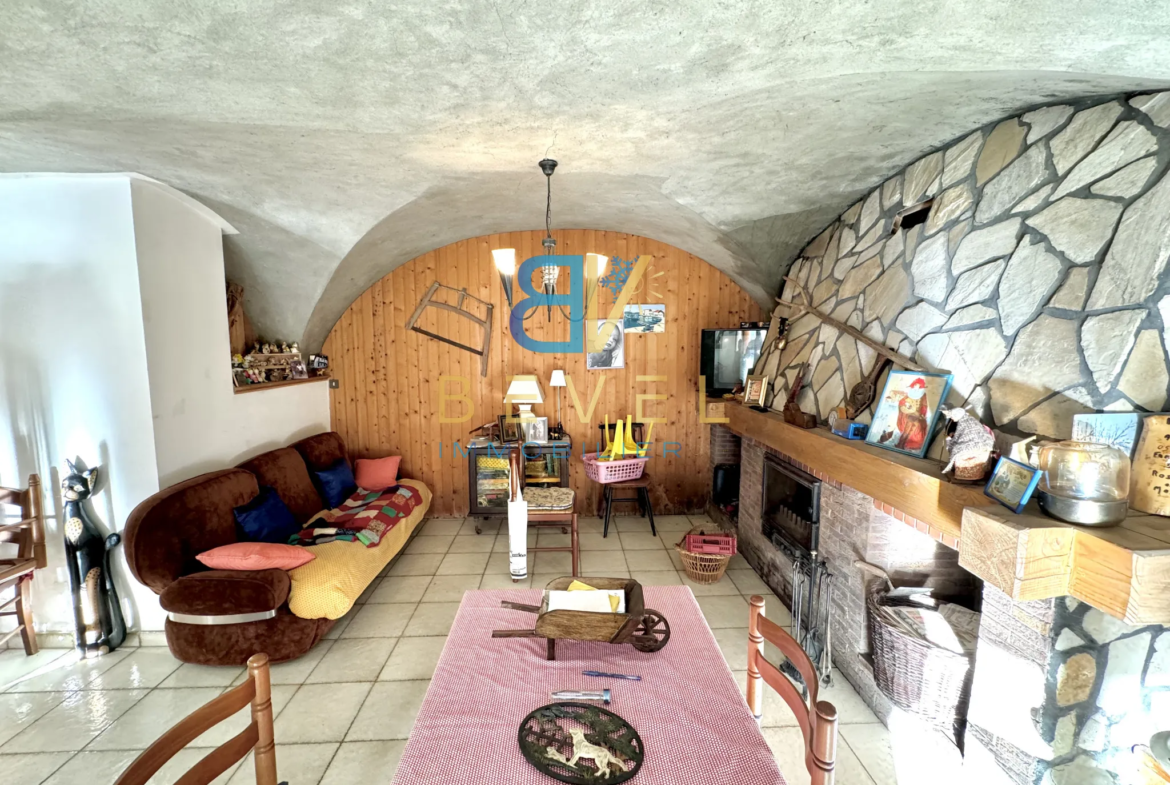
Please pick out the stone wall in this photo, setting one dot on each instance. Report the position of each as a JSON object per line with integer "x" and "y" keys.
{"x": 1062, "y": 692}
{"x": 1038, "y": 278}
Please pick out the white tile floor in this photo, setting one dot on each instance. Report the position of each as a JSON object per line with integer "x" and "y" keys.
{"x": 344, "y": 711}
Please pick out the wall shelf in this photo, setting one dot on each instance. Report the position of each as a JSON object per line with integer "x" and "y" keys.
{"x": 914, "y": 486}
{"x": 273, "y": 385}
{"x": 1123, "y": 570}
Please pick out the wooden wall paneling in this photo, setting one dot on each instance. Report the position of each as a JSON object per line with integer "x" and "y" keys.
{"x": 388, "y": 401}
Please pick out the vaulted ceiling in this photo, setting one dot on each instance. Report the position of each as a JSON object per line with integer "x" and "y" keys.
{"x": 343, "y": 139}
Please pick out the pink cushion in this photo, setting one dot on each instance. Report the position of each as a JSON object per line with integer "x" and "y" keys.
{"x": 256, "y": 556}
{"x": 377, "y": 474}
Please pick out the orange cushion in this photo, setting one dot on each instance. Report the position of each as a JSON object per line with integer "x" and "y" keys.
{"x": 376, "y": 474}
{"x": 256, "y": 556}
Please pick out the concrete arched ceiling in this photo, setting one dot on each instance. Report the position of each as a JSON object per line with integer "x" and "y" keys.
{"x": 344, "y": 139}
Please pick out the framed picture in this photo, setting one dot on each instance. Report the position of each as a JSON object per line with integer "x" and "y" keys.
{"x": 534, "y": 430}
{"x": 1117, "y": 429}
{"x": 644, "y": 318}
{"x": 904, "y": 417}
{"x": 297, "y": 369}
{"x": 509, "y": 431}
{"x": 1012, "y": 483}
{"x": 610, "y": 335}
{"x": 754, "y": 390}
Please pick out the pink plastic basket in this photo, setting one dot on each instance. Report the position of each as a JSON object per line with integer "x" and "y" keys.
{"x": 613, "y": 471}
{"x": 715, "y": 544}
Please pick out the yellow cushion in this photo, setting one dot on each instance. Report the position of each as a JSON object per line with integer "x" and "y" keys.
{"x": 328, "y": 586}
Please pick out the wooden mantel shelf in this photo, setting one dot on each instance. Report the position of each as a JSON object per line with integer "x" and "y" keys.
{"x": 913, "y": 485}
{"x": 1123, "y": 571}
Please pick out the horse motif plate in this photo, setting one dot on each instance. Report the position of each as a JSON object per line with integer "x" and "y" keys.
{"x": 581, "y": 744}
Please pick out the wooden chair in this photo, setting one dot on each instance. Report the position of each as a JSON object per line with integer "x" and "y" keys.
{"x": 640, "y": 486}
{"x": 817, "y": 719}
{"x": 28, "y": 534}
{"x": 564, "y": 519}
{"x": 257, "y": 737}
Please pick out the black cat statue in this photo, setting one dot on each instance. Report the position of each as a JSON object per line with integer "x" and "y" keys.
{"x": 97, "y": 615}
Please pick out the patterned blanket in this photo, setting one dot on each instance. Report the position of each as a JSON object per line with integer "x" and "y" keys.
{"x": 365, "y": 516}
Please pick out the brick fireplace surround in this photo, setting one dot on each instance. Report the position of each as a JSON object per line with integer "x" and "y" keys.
{"x": 1061, "y": 691}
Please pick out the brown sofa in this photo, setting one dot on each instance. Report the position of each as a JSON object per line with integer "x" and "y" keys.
{"x": 219, "y": 617}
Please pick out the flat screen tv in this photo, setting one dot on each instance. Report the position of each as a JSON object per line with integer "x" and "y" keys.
{"x": 728, "y": 356}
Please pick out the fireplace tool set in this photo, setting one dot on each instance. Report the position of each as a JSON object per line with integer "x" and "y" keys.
{"x": 812, "y": 601}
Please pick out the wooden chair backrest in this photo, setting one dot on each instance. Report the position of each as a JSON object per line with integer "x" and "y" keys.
{"x": 607, "y": 434}
{"x": 257, "y": 737}
{"x": 817, "y": 719}
{"x": 27, "y": 531}
{"x": 515, "y": 472}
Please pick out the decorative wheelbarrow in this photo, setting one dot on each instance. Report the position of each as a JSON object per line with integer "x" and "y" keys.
{"x": 643, "y": 628}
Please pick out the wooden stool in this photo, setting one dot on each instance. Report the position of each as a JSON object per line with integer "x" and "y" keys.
{"x": 641, "y": 489}
{"x": 558, "y": 516}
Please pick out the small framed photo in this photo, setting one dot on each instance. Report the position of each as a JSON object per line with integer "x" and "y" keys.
{"x": 509, "y": 431}
{"x": 535, "y": 430}
{"x": 606, "y": 347}
{"x": 755, "y": 388}
{"x": 1012, "y": 483}
{"x": 297, "y": 369}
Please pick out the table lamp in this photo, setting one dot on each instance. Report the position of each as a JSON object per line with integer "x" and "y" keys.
{"x": 524, "y": 391}
{"x": 557, "y": 380}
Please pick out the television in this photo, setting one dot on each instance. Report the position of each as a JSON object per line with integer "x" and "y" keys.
{"x": 728, "y": 356}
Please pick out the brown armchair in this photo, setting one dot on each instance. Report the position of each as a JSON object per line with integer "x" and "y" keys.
{"x": 218, "y": 617}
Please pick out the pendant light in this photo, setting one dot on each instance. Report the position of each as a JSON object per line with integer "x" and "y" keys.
{"x": 549, "y": 272}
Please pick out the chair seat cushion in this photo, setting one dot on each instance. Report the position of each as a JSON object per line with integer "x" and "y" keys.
{"x": 549, "y": 498}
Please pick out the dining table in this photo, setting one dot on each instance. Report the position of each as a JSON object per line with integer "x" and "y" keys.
{"x": 687, "y": 708}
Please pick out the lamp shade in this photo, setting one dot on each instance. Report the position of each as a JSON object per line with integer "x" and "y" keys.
{"x": 599, "y": 260}
{"x": 505, "y": 259}
{"x": 557, "y": 379}
{"x": 524, "y": 389}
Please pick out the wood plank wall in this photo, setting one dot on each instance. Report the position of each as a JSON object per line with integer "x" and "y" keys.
{"x": 388, "y": 399}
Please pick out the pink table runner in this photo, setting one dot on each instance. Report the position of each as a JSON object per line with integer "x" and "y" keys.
{"x": 687, "y": 708}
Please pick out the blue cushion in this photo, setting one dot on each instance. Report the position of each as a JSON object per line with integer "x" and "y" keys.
{"x": 266, "y": 518}
{"x": 336, "y": 483}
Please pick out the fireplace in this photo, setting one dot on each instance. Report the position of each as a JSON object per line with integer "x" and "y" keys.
{"x": 790, "y": 507}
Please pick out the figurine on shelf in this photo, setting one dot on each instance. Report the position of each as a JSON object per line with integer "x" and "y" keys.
{"x": 283, "y": 347}
{"x": 294, "y": 348}
{"x": 970, "y": 446}
{"x": 792, "y": 412}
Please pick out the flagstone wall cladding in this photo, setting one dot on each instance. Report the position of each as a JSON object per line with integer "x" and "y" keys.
{"x": 1062, "y": 692}
{"x": 1039, "y": 278}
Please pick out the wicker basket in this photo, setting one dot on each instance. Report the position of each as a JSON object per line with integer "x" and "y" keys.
{"x": 703, "y": 567}
{"x": 917, "y": 676}
{"x": 613, "y": 471}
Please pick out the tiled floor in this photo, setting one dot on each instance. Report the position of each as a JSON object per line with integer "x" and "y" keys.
{"x": 344, "y": 711}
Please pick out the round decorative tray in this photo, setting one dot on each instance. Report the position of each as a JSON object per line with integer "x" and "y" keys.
{"x": 573, "y": 742}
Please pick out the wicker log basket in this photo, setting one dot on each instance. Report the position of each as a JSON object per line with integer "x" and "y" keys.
{"x": 917, "y": 676}
{"x": 703, "y": 568}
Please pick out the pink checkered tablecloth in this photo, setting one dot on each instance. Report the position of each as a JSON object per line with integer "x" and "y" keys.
{"x": 688, "y": 708}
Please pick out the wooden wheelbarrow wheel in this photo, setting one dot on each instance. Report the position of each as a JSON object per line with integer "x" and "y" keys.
{"x": 652, "y": 633}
